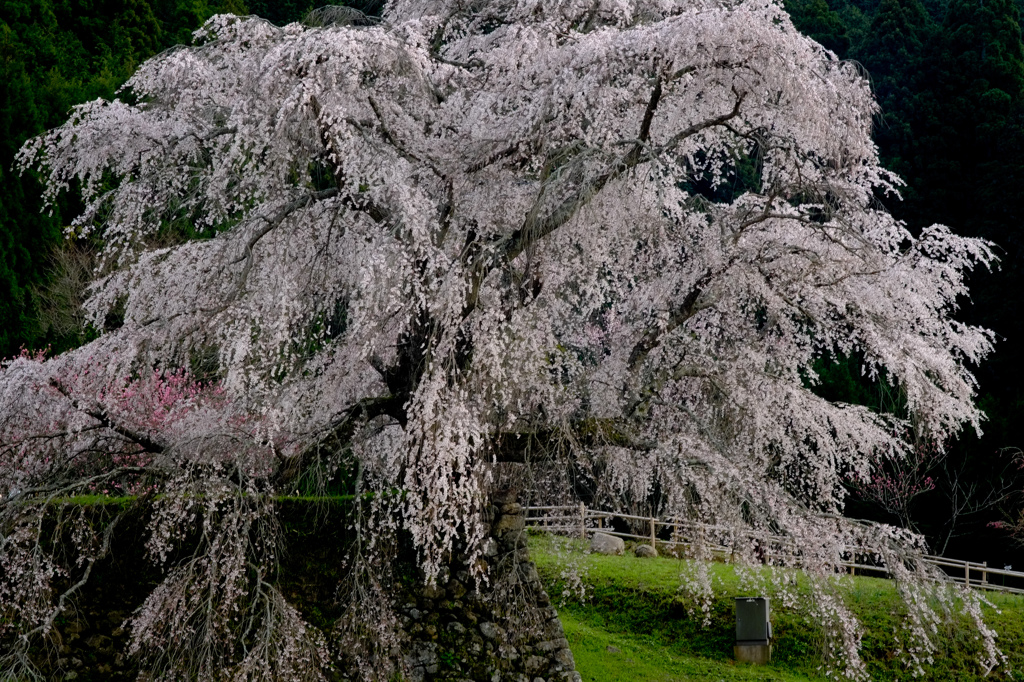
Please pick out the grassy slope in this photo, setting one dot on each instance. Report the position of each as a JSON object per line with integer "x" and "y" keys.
{"x": 635, "y": 625}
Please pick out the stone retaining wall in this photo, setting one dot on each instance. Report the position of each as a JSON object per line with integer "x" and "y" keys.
{"x": 457, "y": 633}
{"x": 505, "y": 632}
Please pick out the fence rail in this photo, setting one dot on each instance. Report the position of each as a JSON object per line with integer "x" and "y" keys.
{"x": 579, "y": 520}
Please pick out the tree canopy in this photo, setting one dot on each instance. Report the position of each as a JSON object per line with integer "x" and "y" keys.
{"x": 415, "y": 248}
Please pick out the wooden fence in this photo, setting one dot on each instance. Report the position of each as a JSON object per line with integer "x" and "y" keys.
{"x": 579, "y": 521}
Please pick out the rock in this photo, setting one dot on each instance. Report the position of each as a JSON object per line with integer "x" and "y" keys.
{"x": 613, "y": 649}
{"x": 457, "y": 628}
{"x": 101, "y": 643}
{"x": 489, "y": 630}
{"x": 490, "y": 547}
{"x": 432, "y": 592}
{"x": 603, "y": 543}
{"x": 535, "y": 664}
{"x": 553, "y": 645}
{"x": 563, "y": 657}
{"x": 645, "y": 551}
{"x": 509, "y": 523}
{"x": 415, "y": 614}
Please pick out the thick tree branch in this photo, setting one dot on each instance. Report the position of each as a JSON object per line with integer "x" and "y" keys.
{"x": 340, "y": 432}
{"x": 548, "y": 444}
{"x": 271, "y": 223}
{"x": 686, "y": 309}
{"x": 279, "y": 217}
{"x": 535, "y": 228}
{"x": 140, "y": 439}
{"x": 217, "y": 132}
{"x": 491, "y": 158}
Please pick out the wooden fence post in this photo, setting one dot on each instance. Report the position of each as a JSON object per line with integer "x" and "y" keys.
{"x": 653, "y": 537}
{"x": 583, "y": 521}
{"x": 984, "y": 573}
{"x": 967, "y": 574}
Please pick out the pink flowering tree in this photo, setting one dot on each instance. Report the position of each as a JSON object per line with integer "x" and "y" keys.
{"x": 467, "y": 235}
{"x": 897, "y": 482}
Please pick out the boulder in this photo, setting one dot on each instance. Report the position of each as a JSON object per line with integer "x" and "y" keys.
{"x": 645, "y": 551}
{"x": 602, "y": 543}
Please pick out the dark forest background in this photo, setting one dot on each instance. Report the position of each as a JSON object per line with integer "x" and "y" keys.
{"x": 948, "y": 74}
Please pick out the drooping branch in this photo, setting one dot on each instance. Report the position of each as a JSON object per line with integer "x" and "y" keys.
{"x": 62, "y": 601}
{"x": 61, "y": 488}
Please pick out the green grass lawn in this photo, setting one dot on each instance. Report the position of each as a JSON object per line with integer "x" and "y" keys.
{"x": 624, "y": 657}
{"x": 634, "y": 624}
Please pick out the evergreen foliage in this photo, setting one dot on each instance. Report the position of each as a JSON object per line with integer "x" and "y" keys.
{"x": 814, "y": 18}
{"x": 55, "y": 54}
{"x": 948, "y": 77}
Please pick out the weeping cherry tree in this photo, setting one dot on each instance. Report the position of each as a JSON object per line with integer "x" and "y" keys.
{"x": 578, "y": 233}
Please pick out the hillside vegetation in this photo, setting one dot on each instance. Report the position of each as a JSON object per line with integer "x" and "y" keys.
{"x": 635, "y": 624}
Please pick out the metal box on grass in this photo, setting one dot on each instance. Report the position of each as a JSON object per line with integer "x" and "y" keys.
{"x": 753, "y": 630}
